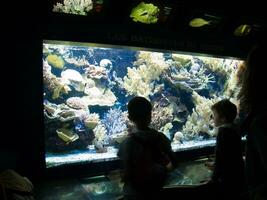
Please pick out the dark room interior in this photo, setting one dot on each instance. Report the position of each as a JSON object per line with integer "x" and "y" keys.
{"x": 181, "y": 33}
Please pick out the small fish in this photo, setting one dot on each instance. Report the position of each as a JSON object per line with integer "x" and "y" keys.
{"x": 242, "y": 30}
{"x": 198, "y": 22}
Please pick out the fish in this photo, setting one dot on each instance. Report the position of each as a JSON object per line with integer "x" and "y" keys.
{"x": 198, "y": 22}
{"x": 242, "y": 30}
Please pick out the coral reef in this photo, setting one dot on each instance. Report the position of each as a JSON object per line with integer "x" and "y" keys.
{"x": 161, "y": 116}
{"x": 139, "y": 79}
{"x": 65, "y": 139}
{"x": 92, "y": 120}
{"x": 96, "y": 72}
{"x": 76, "y": 103}
{"x": 105, "y": 63}
{"x": 67, "y": 135}
{"x": 182, "y": 60}
{"x": 114, "y": 121}
{"x": 98, "y": 96}
{"x": 199, "y": 121}
{"x": 78, "y": 62}
{"x": 192, "y": 77}
{"x": 73, "y": 78}
{"x": 55, "y": 61}
{"x": 223, "y": 67}
{"x": 166, "y": 129}
{"x": 53, "y": 83}
{"x": 178, "y": 138}
{"x": 100, "y": 133}
{"x": 78, "y": 7}
{"x": 62, "y": 112}
{"x": 232, "y": 86}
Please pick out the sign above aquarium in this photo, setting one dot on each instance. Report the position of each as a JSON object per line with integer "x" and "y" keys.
{"x": 86, "y": 88}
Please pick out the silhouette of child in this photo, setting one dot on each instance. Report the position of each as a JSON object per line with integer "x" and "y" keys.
{"x": 228, "y": 170}
{"x": 146, "y": 154}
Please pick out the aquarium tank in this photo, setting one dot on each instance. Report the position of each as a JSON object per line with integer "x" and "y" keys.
{"x": 86, "y": 88}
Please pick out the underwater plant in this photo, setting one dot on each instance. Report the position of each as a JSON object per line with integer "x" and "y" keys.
{"x": 146, "y": 13}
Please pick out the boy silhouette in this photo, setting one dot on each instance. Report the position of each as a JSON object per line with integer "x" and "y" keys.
{"x": 146, "y": 154}
{"x": 228, "y": 170}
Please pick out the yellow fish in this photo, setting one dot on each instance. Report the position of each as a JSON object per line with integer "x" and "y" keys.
{"x": 198, "y": 22}
{"x": 242, "y": 30}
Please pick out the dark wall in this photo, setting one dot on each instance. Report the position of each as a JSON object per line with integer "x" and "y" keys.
{"x": 21, "y": 135}
{"x": 22, "y": 146}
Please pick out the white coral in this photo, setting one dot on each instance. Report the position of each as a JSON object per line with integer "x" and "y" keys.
{"x": 232, "y": 87}
{"x": 149, "y": 67}
{"x": 100, "y": 133}
{"x": 92, "y": 120}
{"x": 80, "y": 7}
{"x": 200, "y": 120}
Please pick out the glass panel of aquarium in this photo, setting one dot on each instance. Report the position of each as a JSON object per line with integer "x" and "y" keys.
{"x": 87, "y": 87}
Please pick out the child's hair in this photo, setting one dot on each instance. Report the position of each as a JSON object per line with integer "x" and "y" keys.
{"x": 225, "y": 109}
{"x": 139, "y": 108}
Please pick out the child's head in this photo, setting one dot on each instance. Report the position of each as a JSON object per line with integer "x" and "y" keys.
{"x": 139, "y": 111}
{"x": 224, "y": 112}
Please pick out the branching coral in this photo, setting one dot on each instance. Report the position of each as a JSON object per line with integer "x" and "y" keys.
{"x": 161, "y": 116}
{"x": 200, "y": 121}
{"x": 231, "y": 70}
{"x": 100, "y": 133}
{"x": 114, "y": 121}
{"x": 222, "y": 66}
{"x": 232, "y": 85}
{"x": 96, "y": 72}
{"x": 79, "y": 7}
{"x": 149, "y": 67}
{"x": 193, "y": 77}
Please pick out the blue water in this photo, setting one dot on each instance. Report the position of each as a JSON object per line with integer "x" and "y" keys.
{"x": 176, "y": 93}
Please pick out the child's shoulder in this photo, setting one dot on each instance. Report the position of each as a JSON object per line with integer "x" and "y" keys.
{"x": 230, "y": 131}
